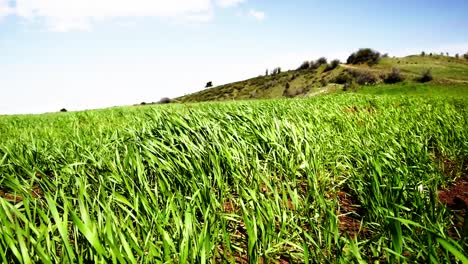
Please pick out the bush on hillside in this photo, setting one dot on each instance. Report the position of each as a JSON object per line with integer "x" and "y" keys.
{"x": 364, "y": 56}
{"x": 321, "y": 61}
{"x": 165, "y": 100}
{"x": 465, "y": 56}
{"x": 63, "y": 110}
{"x": 394, "y": 76}
{"x": 342, "y": 78}
{"x": 332, "y": 65}
{"x": 304, "y": 66}
{"x": 313, "y": 65}
{"x": 426, "y": 76}
{"x": 364, "y": 77}
{"x": 209, "y": 84}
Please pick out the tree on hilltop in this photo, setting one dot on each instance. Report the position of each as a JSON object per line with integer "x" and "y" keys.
{"x": 364, "y": 56}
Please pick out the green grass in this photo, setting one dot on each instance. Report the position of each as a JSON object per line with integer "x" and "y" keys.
{"x": 420, "y": 89}
{"x": 441, "y": 66}
{"x": 222, "y": 182}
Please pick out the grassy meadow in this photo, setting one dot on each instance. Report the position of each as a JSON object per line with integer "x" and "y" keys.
{"x": 343, "y": 178}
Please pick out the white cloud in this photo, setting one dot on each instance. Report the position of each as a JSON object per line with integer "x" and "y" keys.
{"x": 229, "y": 3}
{"x": 66, "y": 15}
{"x": 5, "y": 8}
{"x": 259, "y": 15}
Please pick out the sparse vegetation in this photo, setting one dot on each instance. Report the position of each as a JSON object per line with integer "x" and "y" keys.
{"x": 276, "y": 70}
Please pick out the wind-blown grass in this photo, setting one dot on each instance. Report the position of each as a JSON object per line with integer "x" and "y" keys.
{"x": 245, "y": 181}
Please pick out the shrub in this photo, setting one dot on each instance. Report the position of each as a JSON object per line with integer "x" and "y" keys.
{"x": 313, "y": 65}
{"x": 350, "y": 86}
{"x": 332, "y": 65}
{"x": 362, "y": 56}
{"x": 342, "y": 78}
{"x": 63, "y": 110}
{"x": 394, "y": 76}
{"x": 423, "y": 53}
{"x": 143, "y": 103}
{"x": 321, "y": 61}
{"x": 304, "y": 66}
{"x": 323, "y": 82}
{"x": 465, "y": 56}
{"x": 209, "y": 84}
{"x": 457, "y": 56}
{"x": 426, "y": 76}
{"x": 165, "y": 100}
{"x": 364, "y": 77}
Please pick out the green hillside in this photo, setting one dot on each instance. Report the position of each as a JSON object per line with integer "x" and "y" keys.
{"x": 450, "y": 78}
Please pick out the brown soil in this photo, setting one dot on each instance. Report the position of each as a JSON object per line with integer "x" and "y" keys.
{"x": 455, "y": 197}
{"x": 36, "y": 192}
{"x": 350, "y": 215}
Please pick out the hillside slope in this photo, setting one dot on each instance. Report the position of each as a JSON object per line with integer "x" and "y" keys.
{"x": 447, "y": 71}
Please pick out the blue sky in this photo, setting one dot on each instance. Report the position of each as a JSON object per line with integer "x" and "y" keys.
{"x": 82, "y": 54}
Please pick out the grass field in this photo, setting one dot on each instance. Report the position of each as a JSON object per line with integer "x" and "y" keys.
{"x": 341, "y": 178}
{"x": 417, "y": 89}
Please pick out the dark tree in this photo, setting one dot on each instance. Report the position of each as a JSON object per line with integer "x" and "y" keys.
{"x": 165, "y": 100}
{"x": 304, "y": 66}
{"x": 423, "y": 53}
{"x": 332, "y": 65}
{"x": 209, "y": 84}
{"x": 321, "y": 61}
{"x": 63, "y": 110}
{"x": 465, "y": 56}
{"x": 369, "y": 56}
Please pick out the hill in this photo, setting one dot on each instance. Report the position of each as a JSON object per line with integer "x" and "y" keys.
{"x": 450, "y": 76}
